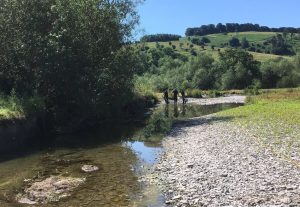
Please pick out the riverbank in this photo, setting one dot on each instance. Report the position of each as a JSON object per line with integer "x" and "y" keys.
{"x": 247, "y": 156}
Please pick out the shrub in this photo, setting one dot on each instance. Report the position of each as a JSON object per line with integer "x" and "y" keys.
{"x": 194, "y": 93}
{"x": 214, "y": 93}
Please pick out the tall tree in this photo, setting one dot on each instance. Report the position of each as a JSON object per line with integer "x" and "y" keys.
{"x": 71, "y": 52}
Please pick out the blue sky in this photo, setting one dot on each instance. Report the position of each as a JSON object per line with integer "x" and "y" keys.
{"x": 174, "y": 16}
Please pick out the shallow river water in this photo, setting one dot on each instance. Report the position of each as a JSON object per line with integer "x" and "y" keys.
{"x": 112, "y": 147}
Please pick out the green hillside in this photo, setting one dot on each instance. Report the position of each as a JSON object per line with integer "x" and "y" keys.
{"x": 183, "y": 46}
{"x": 252, "y": 37}
{"x": 170, "y": 63}
{"x": 257, "y": 45}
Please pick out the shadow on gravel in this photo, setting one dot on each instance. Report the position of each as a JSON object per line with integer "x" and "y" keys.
{"x": 180, "y": 125}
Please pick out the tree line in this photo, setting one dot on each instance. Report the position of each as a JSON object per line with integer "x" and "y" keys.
{"x": 160, "y": 38}
{"x": 235, "y": 27}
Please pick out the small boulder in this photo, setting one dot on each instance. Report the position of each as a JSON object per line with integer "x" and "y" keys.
{"x": 190, "y": 165}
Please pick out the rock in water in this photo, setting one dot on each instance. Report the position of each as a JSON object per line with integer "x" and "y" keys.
{"x": 50, "y": 189}
{"x": 89, "y": 168}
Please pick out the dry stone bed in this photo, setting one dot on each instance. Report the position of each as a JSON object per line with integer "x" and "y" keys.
{"x": 48, "y": 190}
{"x": 209, "y": 161}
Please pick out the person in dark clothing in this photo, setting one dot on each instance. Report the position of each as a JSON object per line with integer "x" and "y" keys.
{"x": 184, "y": 100}
{"x": 175, "y": 95}
{"x": 166, "y": 96}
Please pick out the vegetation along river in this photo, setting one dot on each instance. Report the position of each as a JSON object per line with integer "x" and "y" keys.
{"x": 119, "y": 150}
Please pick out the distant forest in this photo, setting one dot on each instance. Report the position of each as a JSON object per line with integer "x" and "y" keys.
{"x": 160, "y": 38}
{"x": 235, "y": 27}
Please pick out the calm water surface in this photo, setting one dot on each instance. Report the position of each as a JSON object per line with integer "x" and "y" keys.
{"x": 112, "y": 147}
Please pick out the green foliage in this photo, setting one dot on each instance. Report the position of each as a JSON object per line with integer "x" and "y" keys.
{"x": 280, "y": 45}
{"x": 158, "y": 124}
{"x": 234, "y": 42}
{"x": 235, "y": 27}
{"x": 160, "y": 38}
{"x": 260, "y": 42}
{"x": 239, "y": 69}
{"x": 254, "y": 88}
{"x": 194, "y": 93}
{"x": 78, "y": 63}
{"x": 281, "y": 73}
{"x": 198, "y": 41}
{"x": 234, "y": 69}
{"x": 14, "y": 107}
{"x": 245, "y": 43}
{"x": 214, "y": 94}
{"x": 205, "y": 40}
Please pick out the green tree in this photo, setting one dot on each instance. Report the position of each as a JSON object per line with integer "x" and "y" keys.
{"x": 205, "y": 40}
{"x": 239, "y": 69}
{"x": 73, "y": 53}
{"x": 244, "y": 43}
{"x": 234, "y": 42}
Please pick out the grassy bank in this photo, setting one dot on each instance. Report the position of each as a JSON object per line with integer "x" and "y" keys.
{"x": 274, "y": 119}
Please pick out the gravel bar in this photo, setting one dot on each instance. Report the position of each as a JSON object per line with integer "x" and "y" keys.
{"x": 209, "y": 161}
{"x": 219, "y": 100}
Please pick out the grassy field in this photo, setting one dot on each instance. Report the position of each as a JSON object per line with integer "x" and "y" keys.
{"x": 186, "y": 50}
{"x": 274, "y": 119}
{"x": 219, "y": 40}
{"x": 183, "y": 45}
{"x": 252, "y": 37}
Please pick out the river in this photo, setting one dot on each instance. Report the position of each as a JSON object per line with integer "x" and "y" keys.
{"x": 116, "y": 148}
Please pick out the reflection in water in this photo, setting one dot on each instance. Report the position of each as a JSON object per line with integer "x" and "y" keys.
{"x": 116, "y": 183}
{"x": 176, "y": 113}
{"x": 182, "y": 111}
{"x": 166, "y": 110}
{"x": 177, "y": 109}
{"x": 145, "y": 150}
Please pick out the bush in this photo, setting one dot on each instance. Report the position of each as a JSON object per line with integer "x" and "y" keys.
{"x": 214, "y": 94}
{"x": 234, "y": 42}
{"x": 194, "y": 93}
{"x": 254, "y": 88}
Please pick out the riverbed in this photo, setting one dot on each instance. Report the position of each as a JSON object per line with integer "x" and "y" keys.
{"x": 115, "y": 148}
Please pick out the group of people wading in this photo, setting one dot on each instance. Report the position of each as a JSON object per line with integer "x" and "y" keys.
{"x": 175, "y": 96}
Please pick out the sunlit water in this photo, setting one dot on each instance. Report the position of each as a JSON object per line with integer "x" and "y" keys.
{"x": 112, "y": 147}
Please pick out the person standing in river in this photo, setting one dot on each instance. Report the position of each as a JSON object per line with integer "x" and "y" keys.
{"x": 166, "y": 96}
{"x": 175, "y": 95}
